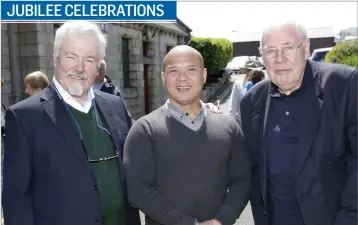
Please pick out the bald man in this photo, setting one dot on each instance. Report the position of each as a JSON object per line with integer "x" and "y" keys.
{"x": 185, "y": 165}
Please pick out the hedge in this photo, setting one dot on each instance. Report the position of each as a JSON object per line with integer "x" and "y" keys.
{"x": 344, "y": 53}
{"x": 217, "y": 52}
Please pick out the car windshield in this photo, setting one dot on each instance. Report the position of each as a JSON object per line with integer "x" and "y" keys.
{"x": 319, "y": 56}
{"x": 239, "y": 60}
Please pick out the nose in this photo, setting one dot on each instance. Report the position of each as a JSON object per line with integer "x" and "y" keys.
{"x": 182, "y": 76}
{"x": 80, "y": 66}
{"x": 279, "y": 57}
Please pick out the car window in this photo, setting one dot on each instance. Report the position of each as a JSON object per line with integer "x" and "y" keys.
{"x": 319, "y": 56}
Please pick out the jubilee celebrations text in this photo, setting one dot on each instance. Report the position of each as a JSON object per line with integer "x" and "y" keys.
{"x": 121, "y": 10}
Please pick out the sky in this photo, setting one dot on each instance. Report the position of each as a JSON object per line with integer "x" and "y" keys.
{"x": 220, "y": 19}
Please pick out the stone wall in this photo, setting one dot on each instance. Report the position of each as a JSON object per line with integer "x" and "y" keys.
{"x": 6, "y": 90}
{"x": 27, "y": 47}
{"x": 157, "y": 46}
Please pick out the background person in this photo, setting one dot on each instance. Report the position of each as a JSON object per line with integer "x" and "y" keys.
{"x": 35, "y": 82}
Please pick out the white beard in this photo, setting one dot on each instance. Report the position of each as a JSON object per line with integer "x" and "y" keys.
{"x": 76, "y": 89}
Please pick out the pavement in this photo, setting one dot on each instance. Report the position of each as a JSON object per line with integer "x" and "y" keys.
{"x": 246, "y": 216}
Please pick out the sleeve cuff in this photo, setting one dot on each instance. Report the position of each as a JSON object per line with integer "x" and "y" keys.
{"x": 226, "y": 216}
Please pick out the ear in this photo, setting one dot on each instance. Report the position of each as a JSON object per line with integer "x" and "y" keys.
{"x": 205, "y": 75}
{"x": 307, "y": 49}
{"x": 163, "y": 78}
{"x": 54, "y": 57}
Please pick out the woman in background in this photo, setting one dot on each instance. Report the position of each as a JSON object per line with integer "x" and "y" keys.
{"x": 255, "y": 76}
{"x": 35, "y": 82}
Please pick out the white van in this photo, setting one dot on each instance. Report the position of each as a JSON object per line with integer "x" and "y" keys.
{"x": 320, "y": 53}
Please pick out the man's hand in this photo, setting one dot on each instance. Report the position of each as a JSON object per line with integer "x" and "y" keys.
{"x": 213, "y": 108}
{"x": 210, "y": 222}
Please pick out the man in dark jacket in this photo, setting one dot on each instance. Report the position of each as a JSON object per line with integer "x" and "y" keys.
{"x": 104, "y": 83}
{"x": 63, "y": 146}
{"x": 301, "y": 130}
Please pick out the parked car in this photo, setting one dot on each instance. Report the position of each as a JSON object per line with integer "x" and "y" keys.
{"x": 261, "y": 62}
{"x": 236, "y": 63}
{"x": 319, "y": 54}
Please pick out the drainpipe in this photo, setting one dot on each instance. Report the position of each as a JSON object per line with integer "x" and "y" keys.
{"x": 189, "y": 39}
{"x": 14, "y": 74}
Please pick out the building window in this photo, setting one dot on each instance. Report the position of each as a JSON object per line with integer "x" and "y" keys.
{"x": 125, "y": 62}
{"x": 145, "y": 48}
{"x": 55, "y": 27}
{"x": 169, "y": 48}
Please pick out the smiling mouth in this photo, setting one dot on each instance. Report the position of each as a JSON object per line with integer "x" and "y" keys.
{"x": 183, "y": 88}
{"x": 76, "y": 78}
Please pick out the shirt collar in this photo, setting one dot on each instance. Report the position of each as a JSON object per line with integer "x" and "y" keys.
{"x": 183, "y": 115}
{"x": 67, "y": 98}
{"x": 277, "y": 93}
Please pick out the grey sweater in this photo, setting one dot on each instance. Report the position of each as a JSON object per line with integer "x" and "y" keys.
{"x": 176, "y": 175}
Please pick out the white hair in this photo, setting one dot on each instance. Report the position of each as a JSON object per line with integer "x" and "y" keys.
{"x": 103, "y": 62}
{"x": 301, "y": 30}
{"x": 80, "y": 28}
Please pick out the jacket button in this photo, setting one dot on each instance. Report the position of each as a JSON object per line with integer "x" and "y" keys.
{"x": 98, "y": 219}
{"x": 95, "y": 187}
{"x": 265, "y": 213}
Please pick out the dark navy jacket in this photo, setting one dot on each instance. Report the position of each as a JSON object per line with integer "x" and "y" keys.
{"x": 110, "y": 87}
{"x": 47, "y": 177}
{"x": 325, "y": 168}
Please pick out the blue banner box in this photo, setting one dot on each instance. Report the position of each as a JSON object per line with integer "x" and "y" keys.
{"x": 88, "y": 10}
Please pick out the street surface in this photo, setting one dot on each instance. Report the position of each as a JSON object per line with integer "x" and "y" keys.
{"x": 246, "y": 216}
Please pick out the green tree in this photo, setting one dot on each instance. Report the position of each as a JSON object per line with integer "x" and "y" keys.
{"x": 344, "y": 53}
{"x": 216, "y": 52}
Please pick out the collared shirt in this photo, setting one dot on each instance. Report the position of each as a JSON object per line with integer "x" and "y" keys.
{"x": 184, "y": 118}
{"x": 282, "y": 147}
{"x": 69, "y": 99}
{"x": 99, "y": 85}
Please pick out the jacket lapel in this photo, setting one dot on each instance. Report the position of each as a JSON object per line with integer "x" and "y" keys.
{"x": 261, "y": 111}
{"x": 57, "y": 112}
{"x": 313, "y": 105}
{"x": 264, "y": 143}
{"x": 115, "y": 126}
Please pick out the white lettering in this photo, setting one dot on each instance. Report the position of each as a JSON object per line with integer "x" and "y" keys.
{"x": 119, "y": 11}
{"x": 102, "y": 10}
{"x": 69, "y": 10}
{"x": 58, "y": 10}
{"x": 151, "y": 10}
{"x": 29, "y": 10}
{"x": 35, "y": 10}
{"x": 141, "y": 10}
{"x": 128, "y": 6}
{"x": 77, "y": 10}
{"x": 160, "y": 9}
{"x": 84, "y": 11}
{"x": 14, "y": 8}
{"x": 94, "y": 9}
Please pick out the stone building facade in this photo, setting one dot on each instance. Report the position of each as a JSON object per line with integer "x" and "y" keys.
{"x": 134, "y": 58}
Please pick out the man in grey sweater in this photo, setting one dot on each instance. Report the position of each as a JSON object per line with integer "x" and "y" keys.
{"x": 185, "y": 165}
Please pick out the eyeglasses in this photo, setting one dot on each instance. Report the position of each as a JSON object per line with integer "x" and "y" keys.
{"x": 102, "y": 158}
{"x": 287, "y": 50}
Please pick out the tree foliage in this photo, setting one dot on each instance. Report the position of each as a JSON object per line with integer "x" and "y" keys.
{"x": 217, "y": 52}
{"x": 344, "y": 53}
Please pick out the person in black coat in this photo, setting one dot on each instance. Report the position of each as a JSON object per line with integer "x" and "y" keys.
{"x": 301, "y": 131}
{"x": 63, "y": 146}
{"x": 104, "y": 83}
